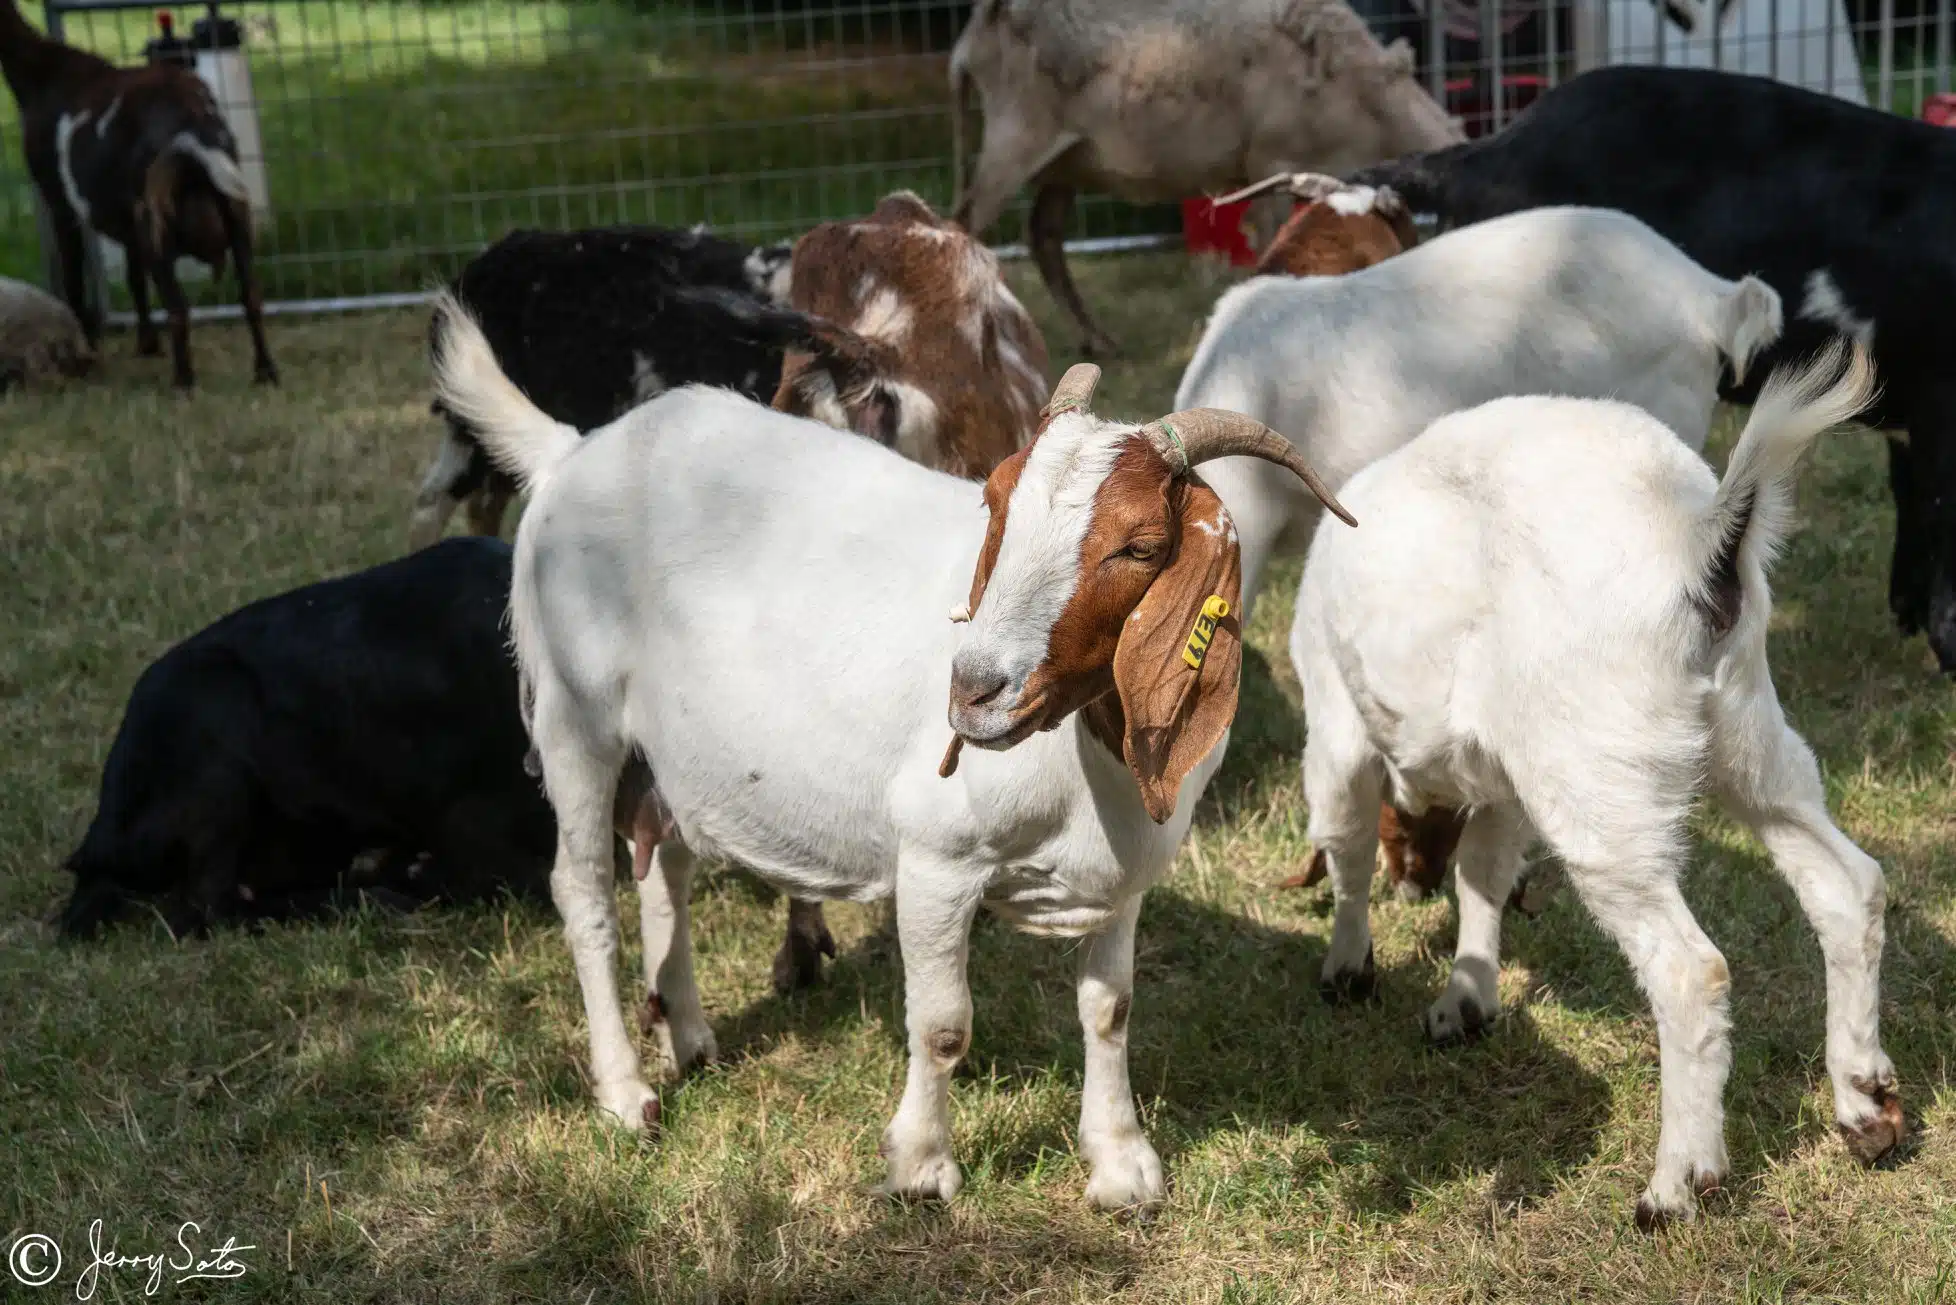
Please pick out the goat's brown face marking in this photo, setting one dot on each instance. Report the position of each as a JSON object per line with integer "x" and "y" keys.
{"x": 1108, "y": 558}
{"x": 1318, "y": 240}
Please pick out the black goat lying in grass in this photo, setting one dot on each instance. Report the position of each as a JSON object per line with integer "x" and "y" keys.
{"x": 143, "y": 156}
{"x": 591, "y": 323}
{"x": 1845, "y": 211}
{"x": 260, "y": 757}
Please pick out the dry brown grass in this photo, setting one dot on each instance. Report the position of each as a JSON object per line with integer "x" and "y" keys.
{"x": 426, "y": 1071}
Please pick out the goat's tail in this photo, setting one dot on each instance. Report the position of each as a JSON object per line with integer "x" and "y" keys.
{"x": 165, "y": 174}
{"x": 1747, "y": 320}
{"x": 1748, "y": 519}
{"x": 1428, "y": 182}
{"x": 519, "y": 437}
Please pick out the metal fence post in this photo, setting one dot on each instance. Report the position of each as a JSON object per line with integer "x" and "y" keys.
{"x": 1942, "y": 45}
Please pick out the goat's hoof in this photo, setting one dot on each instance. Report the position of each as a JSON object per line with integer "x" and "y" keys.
{"x": 265, "y": 373}
{"x": 149, "y": 348}
{"x": 1127, "y": 1180}
{"x": 1349, "y": 986}
{"x": 1880, "y": 1133}
{"x": 680, "y": 1051}
{"x": 1655, "y": 1214}
{"x": 798, "y": 964}
{"x": 184, "y": 381}
{"x": 633, "y": 1104}
{"x": 1410, "y": 890}
{"x": 1655, "y": 1218}
{"x": 931, "y": 1175}
{"x": 1456, "y": 1020}
{"x": 1099, "y": 348}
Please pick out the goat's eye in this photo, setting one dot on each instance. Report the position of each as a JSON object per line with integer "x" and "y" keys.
{"x": 1142, "y": 550}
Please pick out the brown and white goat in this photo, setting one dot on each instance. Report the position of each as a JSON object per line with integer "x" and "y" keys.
{"x": 1338, "y": 233}
{"x": 954, "y": 372}
{"x": 142, "y": 155}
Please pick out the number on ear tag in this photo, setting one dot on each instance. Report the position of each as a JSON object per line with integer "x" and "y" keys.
{"x": 1214, "y": 608}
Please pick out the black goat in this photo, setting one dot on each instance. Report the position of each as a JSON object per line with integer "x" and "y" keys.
{"x": 591, "y": 323}
{"x": 1845, "y": 211}
{"x": 143, "y": 156}
{"x": 260, "y": 757}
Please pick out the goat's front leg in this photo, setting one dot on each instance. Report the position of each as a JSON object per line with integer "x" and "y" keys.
{"x": 934, "y": 913}
{"x": 1126, "y": 1170}
{"x": 672, "y": 1013}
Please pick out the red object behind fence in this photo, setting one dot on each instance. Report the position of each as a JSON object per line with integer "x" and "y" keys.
{"x": 1464, "y": 99}
{"x": 1939, "y": 110}
{"x": 1207, "y": 229}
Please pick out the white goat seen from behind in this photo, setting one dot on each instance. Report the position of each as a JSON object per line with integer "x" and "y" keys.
{"x": 1556, "y": 619}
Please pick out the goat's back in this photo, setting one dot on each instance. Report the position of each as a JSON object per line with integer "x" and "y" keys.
{"x": 1585, "y": 302}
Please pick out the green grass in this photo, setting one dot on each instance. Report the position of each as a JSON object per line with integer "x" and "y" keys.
{"x": 401, "y": 137}
{"x": 428, "y": 1071}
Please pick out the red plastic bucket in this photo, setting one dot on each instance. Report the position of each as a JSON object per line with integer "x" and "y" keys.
{"x": 1207, "y": 229}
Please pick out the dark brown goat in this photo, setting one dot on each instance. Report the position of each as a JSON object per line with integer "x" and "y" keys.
{"x": 948, "y": 368}
{"x": 143, "y": 156}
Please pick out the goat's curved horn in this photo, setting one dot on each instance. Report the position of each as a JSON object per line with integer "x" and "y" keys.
{"x": 1388, "y": 203}
{"x": 1199, "y": 434}
{"x": 1265, "y": 186}
{"x": 1075, "y": 390}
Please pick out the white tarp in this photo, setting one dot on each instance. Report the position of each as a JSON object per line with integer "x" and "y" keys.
{"x": 1804, "y": 42}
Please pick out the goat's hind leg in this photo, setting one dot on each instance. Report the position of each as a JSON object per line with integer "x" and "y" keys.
{"x": 236, "y": 217}
{"x": 1767, "y": 777}
{"x": 1621, "y": 849}
{"x": 1489, "y": 858}
{"x": 1342, "y": 784}
{"x": 672, "y": 1015}
{"x": 799, "y": 962}
{"x": 580, "y": 773}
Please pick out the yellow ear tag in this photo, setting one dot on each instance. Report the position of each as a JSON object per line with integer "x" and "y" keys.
{"x": 1214, "y": 608}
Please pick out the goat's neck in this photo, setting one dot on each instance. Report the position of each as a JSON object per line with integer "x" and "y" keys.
{"x": 31, "y": 63}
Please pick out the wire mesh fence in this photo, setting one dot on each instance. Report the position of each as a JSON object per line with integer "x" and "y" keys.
{"x": 397, "y": 137}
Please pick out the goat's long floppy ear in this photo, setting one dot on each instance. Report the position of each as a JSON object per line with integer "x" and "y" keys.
{"x": 1181, "y": 653}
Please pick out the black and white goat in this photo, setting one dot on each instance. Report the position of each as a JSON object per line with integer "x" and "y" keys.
{"x": 259, "y": 758}
{"x": 1845, "y": 211}
{"x": 590, "y": 323}
{"x": 143, "y": 156}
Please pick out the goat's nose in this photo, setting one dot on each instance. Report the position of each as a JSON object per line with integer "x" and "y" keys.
{"x": 975, "y": 688}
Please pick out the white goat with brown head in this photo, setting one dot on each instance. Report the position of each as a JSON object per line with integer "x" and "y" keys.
{"x": 755, "y": 604}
